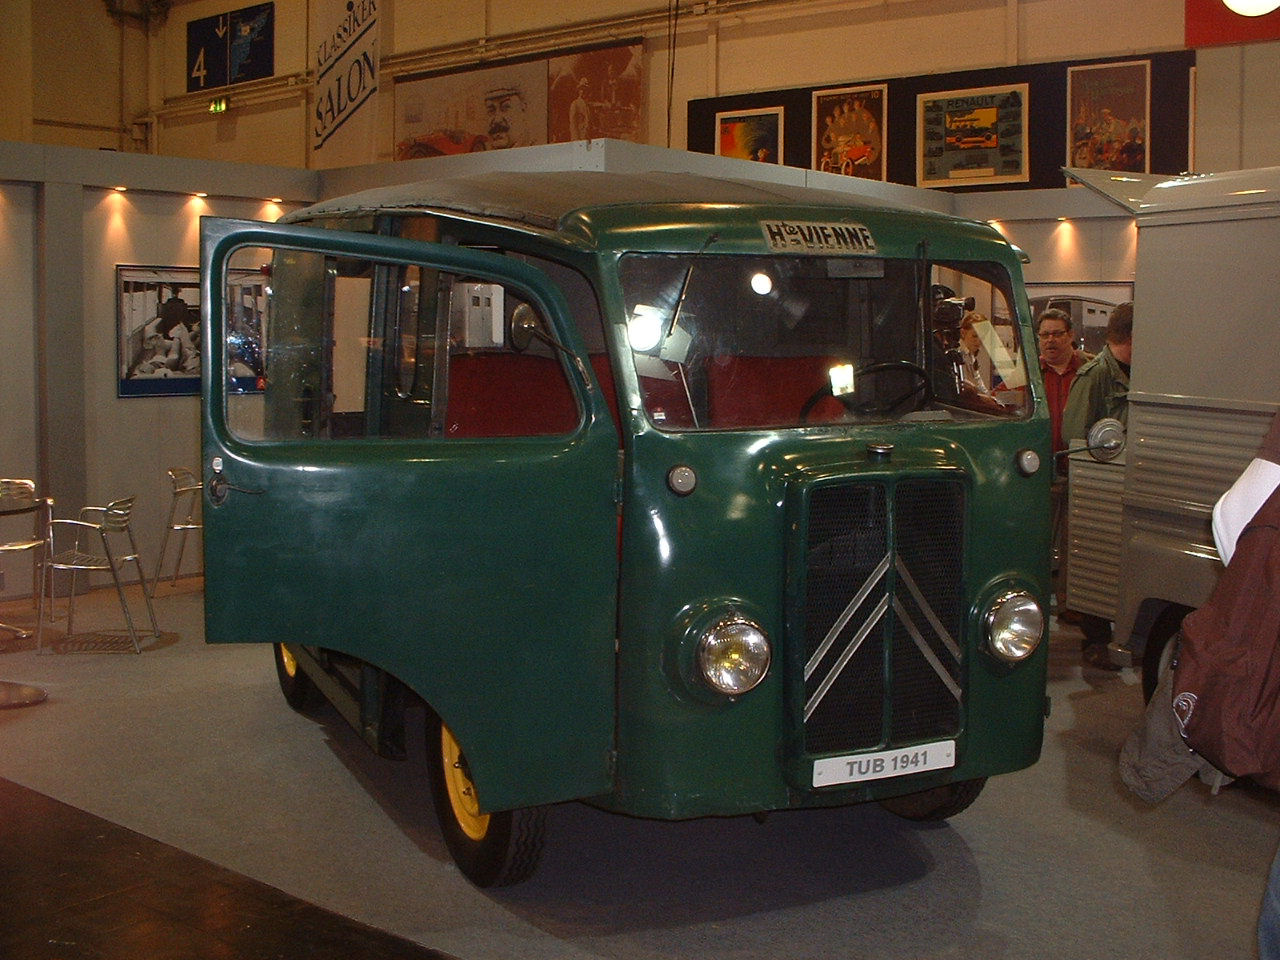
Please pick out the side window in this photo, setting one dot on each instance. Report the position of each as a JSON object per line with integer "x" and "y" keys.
{"x": 321, "y": 347}
{"x": 503, "y": 378}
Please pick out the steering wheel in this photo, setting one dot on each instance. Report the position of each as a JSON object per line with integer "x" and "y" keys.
{"x": 923, "y": 387}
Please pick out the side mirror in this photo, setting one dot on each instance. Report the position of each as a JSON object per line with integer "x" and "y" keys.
{"x": 525, "y": 325}
{"x": 1105, "y": 440}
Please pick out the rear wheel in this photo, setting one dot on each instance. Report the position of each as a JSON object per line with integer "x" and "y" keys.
{"x": 939, "y": 803}
{"x": 491, "y": 849}
{"x": 300, "y": 692}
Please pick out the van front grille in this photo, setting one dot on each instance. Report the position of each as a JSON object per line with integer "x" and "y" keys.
{"x": 883, "y": 614}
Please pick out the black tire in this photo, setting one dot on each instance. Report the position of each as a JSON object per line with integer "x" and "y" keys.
{"x": 300, "y": 692}
{"x": 940, "y": 803}
{"x": 1162, "y": 631}
{"x": 491, "y": 850}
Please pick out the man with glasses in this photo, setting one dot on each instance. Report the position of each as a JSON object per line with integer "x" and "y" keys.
{"x": 1059, "y": 361}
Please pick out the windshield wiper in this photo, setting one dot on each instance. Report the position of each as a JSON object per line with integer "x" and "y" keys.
{"x": 684, "y": 284}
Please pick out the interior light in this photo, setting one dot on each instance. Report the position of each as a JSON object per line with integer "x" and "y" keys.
{"x": 1251, "y": 8}
{"x": 120, "y": 189}
{"x": 762, "y": 283}
{"x": 841, "y": 379}
{"x": 1062, "y": 219}
{"x": 644, "y": 328}
{"x": 274, "y": 200}
{"x": 200, "y": 194}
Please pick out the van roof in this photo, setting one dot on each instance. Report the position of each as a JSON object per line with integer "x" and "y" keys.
{"x": 1233, "y": 193}
{"x": 543, "y": 200}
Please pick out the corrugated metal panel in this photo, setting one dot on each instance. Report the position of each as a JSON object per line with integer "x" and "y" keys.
{"x": 1093, "y": 535}
{"x": 1182, "y": 457}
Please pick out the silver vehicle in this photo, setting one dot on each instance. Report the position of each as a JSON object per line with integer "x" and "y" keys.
{"x": 1203, "y": 391}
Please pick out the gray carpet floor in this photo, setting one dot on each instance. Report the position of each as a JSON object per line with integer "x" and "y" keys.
{"x": 193, "y": 745}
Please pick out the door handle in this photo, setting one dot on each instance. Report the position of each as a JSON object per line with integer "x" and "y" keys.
{"x": 220, "y": 486}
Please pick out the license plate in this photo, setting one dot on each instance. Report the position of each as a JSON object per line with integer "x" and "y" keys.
{"x": 887, "y": 763}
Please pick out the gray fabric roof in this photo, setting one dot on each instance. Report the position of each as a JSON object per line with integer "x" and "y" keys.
{"x": 543, "y": 199}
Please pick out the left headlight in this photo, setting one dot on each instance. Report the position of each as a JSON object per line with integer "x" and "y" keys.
{"x": 1015, "y": 625}
{"x": 733, "y": 656}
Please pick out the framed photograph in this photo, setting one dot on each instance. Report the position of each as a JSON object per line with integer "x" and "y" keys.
{"x": 1108, "y": 116}
{"x": 750, "y": 134}
{"x": 158, "y": 330}
{"x": 848, "y": 131}
{"x": 972, "y": 136}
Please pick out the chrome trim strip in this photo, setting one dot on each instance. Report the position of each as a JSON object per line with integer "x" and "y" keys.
{"x": 905, "y": 619}
{"x": 876, "y": 616}
{"x": 932, "y": 617}
{"x": 842, "y": 621}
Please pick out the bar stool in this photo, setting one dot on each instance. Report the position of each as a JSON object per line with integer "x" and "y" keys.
{"x": 186, "y": 490}
{"x": 19, "y": 497}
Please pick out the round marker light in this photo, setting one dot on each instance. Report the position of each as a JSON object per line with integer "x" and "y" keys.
{"x": 733, "y": 656}
{"x": 1015, "y": 626}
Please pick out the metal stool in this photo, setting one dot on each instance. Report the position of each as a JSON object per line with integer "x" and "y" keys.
{"x": 19, "y": 497}
{"x": 186, "y": 490}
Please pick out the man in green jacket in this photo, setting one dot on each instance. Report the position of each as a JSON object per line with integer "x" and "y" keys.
{"x": 1101, "y": 389}
{"x": 1101, "y": 386}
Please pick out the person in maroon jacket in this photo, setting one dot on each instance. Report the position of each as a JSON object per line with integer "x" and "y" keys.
{"x": 1231, "y": 514}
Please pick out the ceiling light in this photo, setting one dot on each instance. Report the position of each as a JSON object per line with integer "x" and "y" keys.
{"x": 1251, "y": 8}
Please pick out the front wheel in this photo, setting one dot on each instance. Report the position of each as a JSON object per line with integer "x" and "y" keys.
{"x": 940, "y": 803}
{"x": 491, "y": 849}
{"x": 299, "y": 690}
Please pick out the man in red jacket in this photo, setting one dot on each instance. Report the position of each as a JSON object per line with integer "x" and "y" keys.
{"x": 1059, "y": 361}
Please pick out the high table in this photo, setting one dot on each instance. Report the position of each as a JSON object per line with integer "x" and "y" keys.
{"x": 19, "y": 694}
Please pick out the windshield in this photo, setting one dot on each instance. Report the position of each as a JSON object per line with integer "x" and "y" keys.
{"x": 741, "y": 342}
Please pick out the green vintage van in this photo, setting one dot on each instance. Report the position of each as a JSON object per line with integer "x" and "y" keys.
{"x": 676, "y": 495}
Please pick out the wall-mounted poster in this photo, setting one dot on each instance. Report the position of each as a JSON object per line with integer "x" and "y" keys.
{"x": 848, "y": 131}
{"x": 750, "y": 134}
{"x": 158, "y": 330}
{"x": 597, "y": 93}
{"x": 1108, "y": 115}
{"x": 972, "y": 136}
{"x": 488, "y": 109}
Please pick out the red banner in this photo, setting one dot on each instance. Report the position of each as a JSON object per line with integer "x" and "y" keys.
{"x": 1210, "y": 23}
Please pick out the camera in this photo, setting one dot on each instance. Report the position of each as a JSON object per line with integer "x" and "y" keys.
{"x": 949, "y": 311}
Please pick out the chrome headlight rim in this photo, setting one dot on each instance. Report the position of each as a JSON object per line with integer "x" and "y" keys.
{"x": 715, "y": 647}
{"x": 1008, "y": 620}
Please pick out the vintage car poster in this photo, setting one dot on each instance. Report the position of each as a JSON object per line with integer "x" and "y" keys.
{"x": 488, "y": 109}
{"x": 848, "y": 131}
{"x": 972, "y": 136}
{"x": 750, "y": 134}
{"x": 597, "y": 93}
{"x": 1109, "y": 114}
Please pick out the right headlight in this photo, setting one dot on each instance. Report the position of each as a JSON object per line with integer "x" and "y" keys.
{"x": 1015, "y": 625}
{"x": 733, "y": 655}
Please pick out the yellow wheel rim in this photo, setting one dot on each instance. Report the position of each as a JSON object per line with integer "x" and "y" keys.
{"x": 289, "y": 660}
{"x": 462, "y": 792}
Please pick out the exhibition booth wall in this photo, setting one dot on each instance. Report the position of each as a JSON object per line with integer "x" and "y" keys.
{"x": 67, "y": 237}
